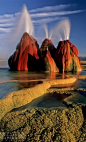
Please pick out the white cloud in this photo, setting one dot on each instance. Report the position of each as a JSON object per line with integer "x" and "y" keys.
{"x": 6, "y": 16}
{"x": 51, "y": 14}
{"x": 47, "y": 20}
{"x": 39, "y": 15}
{"x": 7, "y": 20}
{"x": 6, "y": 24}
{"x": 5, "y": 30}
{"x": 51, "y": 8}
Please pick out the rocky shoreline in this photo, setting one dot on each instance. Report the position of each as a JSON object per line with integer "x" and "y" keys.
{"x": 19, "y": 98}
{"x": 45, "y": 124}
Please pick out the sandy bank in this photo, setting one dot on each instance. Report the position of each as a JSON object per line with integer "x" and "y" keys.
{"x": 68, "y": 124}
{"x": 22, "y": 97}
{"x": 43, "y": 124}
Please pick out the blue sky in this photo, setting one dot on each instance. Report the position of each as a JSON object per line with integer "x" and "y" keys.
{"x": 50, "y": 14}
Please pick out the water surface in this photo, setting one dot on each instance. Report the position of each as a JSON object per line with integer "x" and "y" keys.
{"x": 16, "y": 80}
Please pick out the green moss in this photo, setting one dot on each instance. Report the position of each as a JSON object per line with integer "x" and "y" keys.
{"x": 73, "y": 66}
{"x": 70, "y": 68}
{"x": 47, "y": 65}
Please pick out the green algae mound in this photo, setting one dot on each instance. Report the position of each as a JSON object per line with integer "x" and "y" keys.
{"x": 45, "y": 125}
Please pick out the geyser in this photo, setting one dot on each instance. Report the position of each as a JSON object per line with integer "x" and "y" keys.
{"x": 21, "y": 25}
{"x": 64, "y": 28}
{"x": 25, "y": 22}
{"x": 46, "y": 30}
{"x": 60, "y": 32}
{"x": 28, "y": 56}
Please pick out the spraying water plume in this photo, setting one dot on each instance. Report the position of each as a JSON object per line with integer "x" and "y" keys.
{"x": 64, "y": 28}
{"x": 21, "y": 25}
{"x": 46, "y": 30}
{"x": 60, "y": 32}
{"x": 24, "y": 22}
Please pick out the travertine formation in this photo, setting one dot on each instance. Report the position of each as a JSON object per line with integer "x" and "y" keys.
{"x": 66, "y": 57}
{"x": 28, "y": 56}
{"x": 25, "y": 55}
{"x": 54, "y": 124}
{"x": 47, "y": 63}
{"x": 19, "y": 98}
{"x": 48, "y": 45}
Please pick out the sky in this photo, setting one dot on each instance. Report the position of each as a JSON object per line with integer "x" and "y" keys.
{"x": 56, "y": 16}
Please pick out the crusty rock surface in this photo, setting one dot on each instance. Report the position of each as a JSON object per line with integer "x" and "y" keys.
{"x": 47, "y": 62}
{"x": 47, "y": 44}
{"x": 44, "y": 125}
{"x": 25, "y": 56}
{"x": 66, "y": 57}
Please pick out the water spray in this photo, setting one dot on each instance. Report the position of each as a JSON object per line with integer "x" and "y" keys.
{"x": 61, "y": 31}
{"x": 46, "y": 30}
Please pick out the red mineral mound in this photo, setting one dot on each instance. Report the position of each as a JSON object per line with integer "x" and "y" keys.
{"x": 48, "y": 45}
{"x": 51, "y": 63}
{"x": 48, "y": 63}
{"x": 66, "y": 57}
{"x": 25, "y": 50}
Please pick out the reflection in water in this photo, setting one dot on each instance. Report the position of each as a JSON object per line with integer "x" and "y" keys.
{"x": 52, "y": 75}
{"x": 38, "y": 76}
{"x": 74, "y": 73}
{"x": 6, "y": 74}
{"x": 31, "y": 78}
{"x": 46, "y": 101}
{"x": 52, "y": 100}
{"x": 18, "y": 79}
{"x": 24, "y": 85}
{"x": 8, "y": 87}
{"x": 80, "y": 83}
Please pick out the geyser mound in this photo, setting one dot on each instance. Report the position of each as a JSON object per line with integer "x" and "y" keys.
{"x": 47, "y": 44}
{"x": 25, "y": 56}
{"x": 28, "y": 56}
{"x": 66, "y": 57}
{"x": 47, "y": 55}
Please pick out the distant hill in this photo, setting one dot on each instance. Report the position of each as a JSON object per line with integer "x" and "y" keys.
{"x": 82, "y": 58}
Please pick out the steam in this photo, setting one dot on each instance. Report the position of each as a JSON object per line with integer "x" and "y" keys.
{"x": 46, "y": 30}
{"x": 64, "y": 28}
{"x": 22, "y": 24}
{"x": 61, "y": 31}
